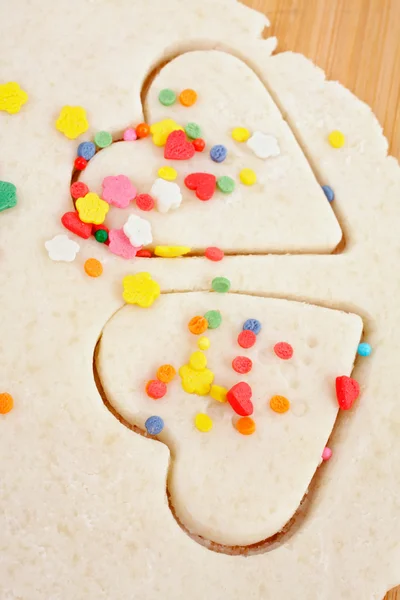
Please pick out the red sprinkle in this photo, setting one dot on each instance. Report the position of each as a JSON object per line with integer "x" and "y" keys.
{"x": 177, "y": 146}
{"x": 144, "y": 253}
{"x": 242, "y": 364}
{"x": 72, "y": 222}
{"x": 239, "y": 397}
{"x": 79, "y": 190}
{"x": 214, "y": 253}
{"x": 347, "y": 391}
{"x": 156, "y": 389}
{"x": 202, "y": 183}
{"x": 80, "y": 163}
{"x": 199, "y": 144}
{"x": 144, "y": 202}
{"x": 283, "y": 350}
{"x": 247, "y": 338}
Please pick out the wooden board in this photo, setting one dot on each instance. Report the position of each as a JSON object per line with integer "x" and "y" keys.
{"x": 356, "y": 42}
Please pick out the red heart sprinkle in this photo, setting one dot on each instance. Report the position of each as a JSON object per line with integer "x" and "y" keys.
{"x": 347, "y": 391}
{"x": 239, "y": 397}
{"x": 72, "y": 222}
{"x": 203, "y": 183}
{"x": 178, "y": 147}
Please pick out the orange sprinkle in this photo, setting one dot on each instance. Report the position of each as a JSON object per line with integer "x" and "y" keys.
{"x": 188, "y": 97}
{"x": 279, "y": 404}
{"x": 166, "y": 373}
{"x": 142, "y": 130}
{"x": 6, "y": 403}
{"x": 93, "y": 267}
{"x": 245, "y": 425}
{"x": 198, "y": 325}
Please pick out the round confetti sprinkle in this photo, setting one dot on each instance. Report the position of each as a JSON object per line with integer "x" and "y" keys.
{"x": 329, "y": 193}
{"x": 240, "y": 134}
{"x": 198, "y": 325}
{"x": 199, "y": 144}
{"x": 198, "y": 361}
{"x": 103, "y": 139}
{"x": 252, "y": 325}
{"x": 239, "y": 397}
{"x": 242, "y": 364}
{"x": 193, "y": 131}
{"x": 101, "y": 235}
{"x": 336, "y": 139}
{"x": 80, "y": 163}
{"x": 166, "y": 373}
{"x": 79, "y": 190}
{"x": 248, "y": 176}
{"x": 213, "y": 318}
{"x": 218, "y": 153}
{"x": 144, "y": 202}
{"x": 87, "y": 150}
{"x": 364, "y": 349}
{"x": 167, "y": 97}
{"x": 221, "y": 285}
{"x": 167, "y": 173}
{"x": 8, "y": 195}
{"x": 93, "y": 267}
{"x": 154, "y": 425}
{"x": 326, "y": 454}
{"x": 245, "y": 425}
{"x": 246, "y": 338}
{"x": 283, "y": 350}
{"x": 218, "y": 393}
{"x": 225, "y": 184}
{"x": 142, "y": 130}
{"x": 213, "y": 253}
{"x": 279, "y": 404}
{"x": 6, "y": 403}
{"x": 203, "y": 422}
{"x": 204, "y": 343}
{"x": 144, "y": 253}
{"x": 187, "y": 97}
{"x": 156, "y": 389}
{"x": 130, "y": 135}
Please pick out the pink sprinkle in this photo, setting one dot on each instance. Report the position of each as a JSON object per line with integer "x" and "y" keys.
{"x": 130, "y": 135}
{"x": 327, "y": 453}
{"x": 120, "y": 244}
{"x": 283, "y": 350}
{"x": 118, "y": 191}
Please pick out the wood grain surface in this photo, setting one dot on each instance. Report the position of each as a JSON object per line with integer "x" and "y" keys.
{"x": 356, "y": 42}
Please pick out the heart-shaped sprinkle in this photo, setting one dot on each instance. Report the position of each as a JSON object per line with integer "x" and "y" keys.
{"x": 239, "y": 397}
{"x": 202, "y": 183}
{"x": 72, "y": 222}
{"x": 178, "y": 147}
{"x": 347, "y": 391}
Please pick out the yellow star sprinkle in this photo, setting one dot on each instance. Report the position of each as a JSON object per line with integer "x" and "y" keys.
{"x": 92, "y": 209}
{"x": 218, "y": 393}
{"x": 161, "y": 130}
{"x": 12, "y": 97}
{"x": 171, "y": 251}
{"x": 203, "y": 422}
{"x": 72, "y": 121}
{"x": 196, "y": 382}
{"x": 140, "y": 289}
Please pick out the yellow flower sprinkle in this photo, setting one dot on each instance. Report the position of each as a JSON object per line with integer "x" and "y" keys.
{"x": 140, "y": 289}
{"x": 198, "y": 361}
{"x": 161, "y": 130}
{"x": 203, "y": 422}
{"x": 196, "y": 382}
{"x": 171, "y": 251}
{"x": 92, "y": 209}
{"x": 72, "y": 121}
{"x": 240, "y": 134}
{"x": 248, "y": 176}
{"x": 12, "y": 97}
{"x": 336, "y": 139}
{"x": 204, "y": 343}
{"x": 218, "y": 393}
{"x": 168, "y": 173}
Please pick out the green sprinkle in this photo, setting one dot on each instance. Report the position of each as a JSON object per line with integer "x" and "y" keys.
{"x": 214, "y": 319}
{"x": 103, "y": 139}
{"x": 225, "y": 184}
{"x": 167, "y": 97}
{"x": 193, "y": 131}
{"x": 8, "y": 195}
{"x": 101, "y": 236}
{"x": 221, "y": 285}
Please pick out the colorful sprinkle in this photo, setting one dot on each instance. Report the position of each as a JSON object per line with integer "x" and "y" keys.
{"x": 6, "y": 402}
{"x": 130, "y": 135}
{"x": 199, "y": 144}
{"x": 79, "y": 190}
{"x": 93, "y": 267}
{"x": 202, "y": 183}
{"x": 245, "y": 425}
{"x": 80, "y": 163}
{"x": 252, "y": 325}
{"x": 196, "y": 382}
{"x": 242, "y": 364}
{"x": 213, "y": 253}
{"x": 221, "y": 285}
{"x": 140, "y": 289}
{"x": 12, "y": 97}
{"x": 144, "y": 253}
{"x": 364, "y": 349}
{"x": 329, "y": 193}
{"x": 336, "y": 139}
{"x": 103, "y": 139}
{"x": 247, "y": 338}
{"x": 263, "y": 145}
{"x": 218, "y": 393}
{"x": 120, "y": 244}
{"x": 203, "y": 422}
{"x": 198, "y": 361}
{"x": 138, "y": 231}
{"x": 166, "y": 373}
{"x": 187, "y": 97}
{"x": 240, "y": 134}
{"x": 171, "y": 251}
{"x": 204, "y": 343}
{"x": 177, "y": 147}
{"x": 326, "y": 454}
{"x": 193, "y": 131}
{"x": 8, "y": 195}
{"x": 167, "y": 195}
{"x": 156, "y": 389}
{"x": 167, "y": 97}
{"x": 154, "y": 425}
{"x": 101, "y": 236}
{"x": 225, "y": 184}
{"x": 279, "y": 404}
{"x": 198, "y": 325}
{"x": 347, "y": 391}
{"x": 92, "y": 209}
{"x": 144, "y": 202}
{"x": 239, "y": 397}
{"x": 87, "y": 150}
{"x": 118, "y": 190}
{"x": 142, "y": 130}
{"x": 72, "y": 121}
{"x": 213, "y": 318}
{"x": 161, "y": 130}
{"x": 218, "y": 153}
{"x": 72, "y": 222}
{"x": 61, "y": 248}
{"x": 248, "y": 176}
{"x": 168, "y": 173}
{"x": 283, "y": 350}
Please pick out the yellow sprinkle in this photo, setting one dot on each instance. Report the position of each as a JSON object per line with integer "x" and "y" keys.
{"x": 198, "y": 361}
{"x": 72, "y": 121}
{"x": 167, "y": 173}
{"x": 248, "y": 176}
{"x": 140, "y": 289}
{"x": 203, "y": 422}
{"x": 196, "y": 382}
{"x": 161, "y": 130}
{"x": 218, "y": 393}
{"x": 204, "y": 343}
{"x": 336, "y": 139}
{"x": 12, "y": 97}
{"x": 92, "y": 209}
{"x": 171, "y": 251}
{"x": 240, "y": 134}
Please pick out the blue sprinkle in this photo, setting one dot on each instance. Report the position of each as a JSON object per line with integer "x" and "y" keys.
{"x": 252, "y": 325}
{"x": 154, "y": 425}
{"x": 87, "y": 150}
{"x": 329, "y": 193}
{"x": 218, "y": 153}
{"x": 364, "y": 349}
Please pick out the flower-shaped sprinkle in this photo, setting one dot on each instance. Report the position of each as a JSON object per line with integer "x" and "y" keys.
{"x": 138, "y": 231}
{"x": 72, "y": 121}
{"x": 161, "y": 130}
{"x": 61, "y": 248}
{"x": 196, "y": 382}
{"x": 167, "y": 195}
{"x": 120, "y": 244}
{"x": 140, "y": 289}
{"x": 12, "y": 97}
{"x": 92, "y": 209}
{"x": 118, "y": 190}
{"x": 263, "y": 145}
